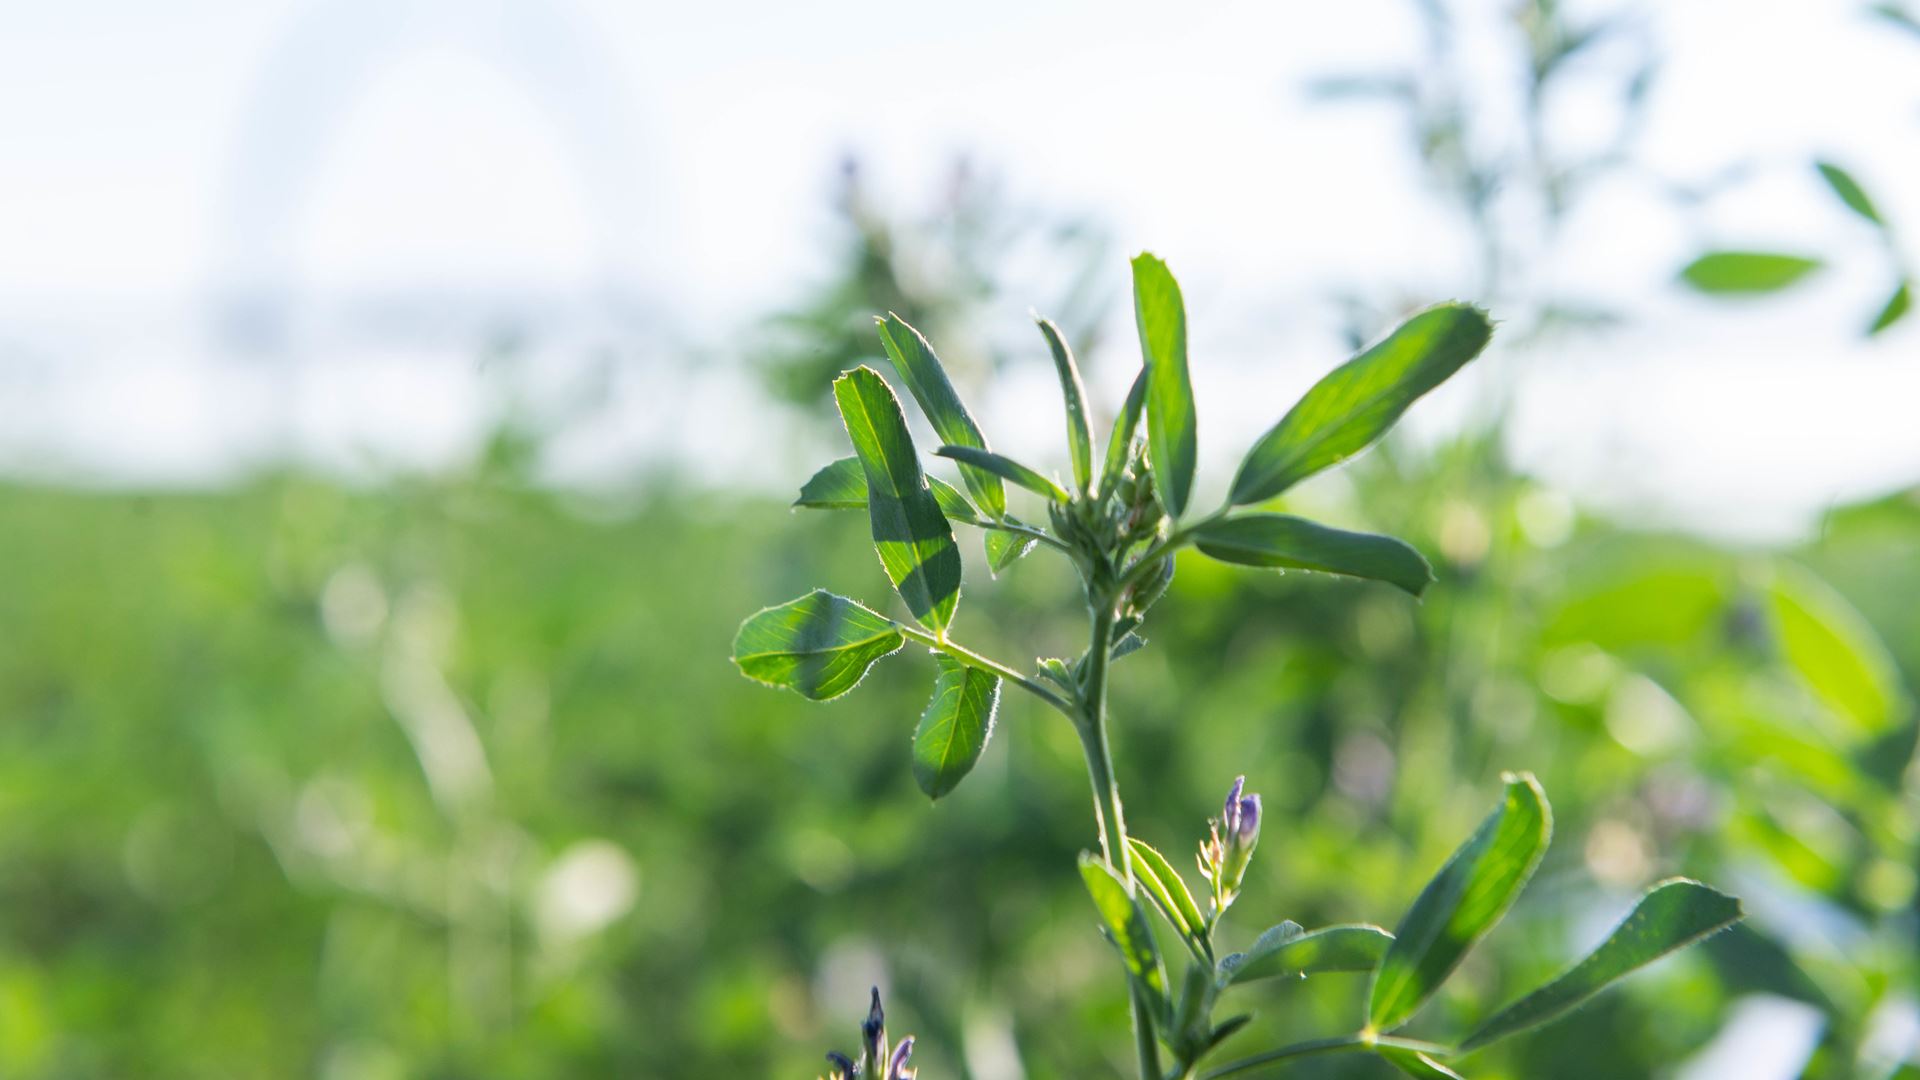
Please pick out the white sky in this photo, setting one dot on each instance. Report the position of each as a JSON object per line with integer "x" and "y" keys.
{"x": 149, "y": 152}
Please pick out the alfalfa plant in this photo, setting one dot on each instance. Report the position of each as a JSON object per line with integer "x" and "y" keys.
{"x": 1128, "y": 512}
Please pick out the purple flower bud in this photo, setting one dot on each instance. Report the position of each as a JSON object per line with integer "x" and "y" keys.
{"x": 897, "y": 1065}
{"x": 1240, "y": 822}
{"x": 874, "y": 1032}
{"x": 843, "y": 1067}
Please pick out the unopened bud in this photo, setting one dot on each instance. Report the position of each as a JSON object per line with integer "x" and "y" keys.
{"x": 897, "y": 1065}
{"x": 843, "y": 1067}
{"x": 873, "y": 1032}
{"x": 1240, "y": 832}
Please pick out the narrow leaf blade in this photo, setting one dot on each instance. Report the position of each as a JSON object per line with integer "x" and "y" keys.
{"x": 1006, "y": 468}
{"x": 1120, "y": 443}
{"x": 1355, "y": 947}
{"x": 1172, "y": 447}
{"x": 910, "y": 533}
{"x": 1416, "y": 1064}
{"x": 1895, "y": 309}
{"x": 1284, "y": 541}
{"x": 1461, "y": 904}
{"x": 842, "y": 485}
{"x": 955, "y": 727}
{"x": 927, "y": 381}
{"x": 1737, "y": 273}
{"x": 1079, "y": 432}
{"x": 1359, "y": 400}
{"x": 1127, "y": 928}
{"x": 1850, "y": 192}
{"x": 1672, "y": 915}
{"x": 819, "y": 646}
{"x": 1167, "y": 888}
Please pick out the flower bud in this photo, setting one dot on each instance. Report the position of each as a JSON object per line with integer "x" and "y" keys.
{"x": 843, "y": 1067}
{"x": 873, "y": 1033}
{"x": 897, "y": 1065}
{"x": 1240, "y": 826}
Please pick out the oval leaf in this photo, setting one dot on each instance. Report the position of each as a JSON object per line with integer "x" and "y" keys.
{"x": 1359, "y": 400}
{"x": 1672, "y": 915}
{"x": 1334, "y": 948}
{"x": 911, "y": 534}
{"x": 955, "y": 727}
{"x": 1127, "y": 928}
{"x": 1746, "y": 272}
{"x": 1079, "y": 433}
{"x": 842, "y": 485}
{"x": 1167, "y": 888}
{"x": 1171, "y": 423}
{"x": 1850, "y": 191}
{"x": 927, "y": 381}
{"x": 1005, "y": 467}
{"x": 1464, "y": 901}
{"x": 1281, "y": 540}
{"x": 819, "y": 646}
{"x": 1120, "y": 443}
{"x": 1006, "y": 548}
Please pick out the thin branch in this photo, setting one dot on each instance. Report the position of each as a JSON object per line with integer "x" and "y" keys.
{"x": 975, "y": 660}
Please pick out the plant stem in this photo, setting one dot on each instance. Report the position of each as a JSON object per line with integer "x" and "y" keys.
{"x": 975, "y": 660}
{"x": 1092, "y": 724}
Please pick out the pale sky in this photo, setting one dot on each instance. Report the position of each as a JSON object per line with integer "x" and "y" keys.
{"x": 151, "y": 153}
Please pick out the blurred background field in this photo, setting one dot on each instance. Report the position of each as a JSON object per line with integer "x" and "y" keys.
{"x": 399, "y": 407}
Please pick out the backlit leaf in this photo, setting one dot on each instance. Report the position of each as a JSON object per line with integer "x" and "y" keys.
{"x": 1835, "y": 652}
{"x": 819, "y": 646}
{"x": 1849, "y": 191}
{"x": 1416, "y": 1064}
{"x": 1006, "y": 468}
{"x": 1356, "y": 947}
{"x": 909, "y": 531}
{"x": 927, "y": 381}
{"x": 1280, "y": 540}
{"x": 1172, "y": 447}
{"x": 1079, "y": 432}
{"x": 955, "y": 727}
{"x": 1120, "y": 444}
{"x": 1167, "y": 888}
{"x": 842, "y": 485}
{"x": 1127, "y": 928}
{"x": 1359, "y": 400}
{"x": 1006, "y": 548}
{"x": 1464, "y": 901}
{"x": 1746, "y": 272}
{"x": 1670, "y": 916}
{"x": 1894, "y": 310}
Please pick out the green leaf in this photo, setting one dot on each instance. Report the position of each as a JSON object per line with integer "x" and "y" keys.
{"x": 911, "y": 534}
{"x": 1896, "y": 309}
{"x": 1127, "y": 928}
{"x": 1171, "y": 424}
{"x": 842, "y": 485}
{"x": 955, "y": 727}
{"x": 1464, "y": 901}
{"x": 1056, "y": 670}
{"x": 1167, "y": 888}
{"x": 927, "y": 381}
{"x": 1359, "y": 400}
{"x": 1079, "y": 433}
{"x": 1415, "y": 1064}
{"x": 1004, "y": 467}
{"x": 1835, "y": 652}
{"x": 1120, "y": 443}
{"x": 1850, "y": 192}
{"x": 819, "y": 646}
{"x": 1672, "y": 915}
{"x": 1127, "y": 646}
{"x": 1281, "y": 540}
{"x": 1746, "y": 272}
{"x": 1006, "y": 548}
{"x": 1356, "y": 947}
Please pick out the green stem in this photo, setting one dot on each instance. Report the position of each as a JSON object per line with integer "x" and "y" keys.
{"x": 1339, "y": 1045}
{"x": 975, "y": 660}
{"x": 1092, "y": 724}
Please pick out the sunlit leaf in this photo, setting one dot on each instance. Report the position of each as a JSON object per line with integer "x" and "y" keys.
{"x": 1120, "y": 443}
{"x": 1167, "y": 888}
{"x": 955, "y": 727}
{"x": 1005, "y": 467}
{"x": 1835, "y": 652}
{"x": 1359, "y": 400}
{"x": 842, "y": 485}
{"x": 927, "y": 381}
{"x": 1284, "y": 541}
{"x": 1127, "y": 928}
{"x": 911, "y": 534}
{"x": 1172, "y": 447}
{"x": 1006, "y": 548}
{"x": 1079, "y": 432}
{"x": 1357, "y": 947}
{"x": 1746, "y": 272}
{"x": 1850, "y": 191}
{"x": 1464, "y": 901}
{"x": 1894, "y": 310}
{"x": 1670, "y": 916}
{"x": 1416, "y": 1064}
{"x": 819, "y": 646}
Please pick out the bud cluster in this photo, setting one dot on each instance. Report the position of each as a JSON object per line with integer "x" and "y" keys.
{"x": 1228, "y": 849}
{"x": 1129, "y": 514}
{"x": 876, "y": 1063}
